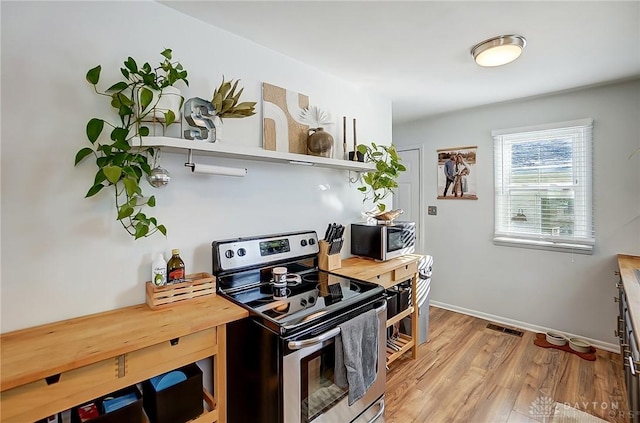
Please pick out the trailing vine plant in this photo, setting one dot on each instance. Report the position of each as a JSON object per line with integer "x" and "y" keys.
{"x": 121, "y": 164}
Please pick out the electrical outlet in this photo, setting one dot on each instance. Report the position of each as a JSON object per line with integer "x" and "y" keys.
{"x": 432, "y": 210}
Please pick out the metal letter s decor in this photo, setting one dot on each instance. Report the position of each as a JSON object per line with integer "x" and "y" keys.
{"x": 199, "y": 114}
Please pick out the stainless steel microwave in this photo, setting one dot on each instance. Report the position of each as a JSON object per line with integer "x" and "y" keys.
{"x": 383, "y": 242}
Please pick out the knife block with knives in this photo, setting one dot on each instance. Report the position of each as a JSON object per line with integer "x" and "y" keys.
{"x": 328, "y": 261}
{"x": 329, "y": 256}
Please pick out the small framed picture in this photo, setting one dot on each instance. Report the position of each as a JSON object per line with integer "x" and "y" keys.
{"x": 457, "y": 173}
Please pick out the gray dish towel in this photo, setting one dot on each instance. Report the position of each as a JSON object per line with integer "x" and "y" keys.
{"x": 357, "y": 354}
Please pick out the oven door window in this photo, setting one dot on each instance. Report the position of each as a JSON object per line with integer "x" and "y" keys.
{"x": 319, "y": 391}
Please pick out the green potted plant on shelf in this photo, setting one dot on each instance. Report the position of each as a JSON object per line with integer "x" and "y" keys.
{"x": 121, "y": 164}
{"x": 225, "y": 101}
{"x": 379, "y": 183}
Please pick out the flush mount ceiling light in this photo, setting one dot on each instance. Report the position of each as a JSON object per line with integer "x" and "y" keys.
{"x": 498, "y": 51}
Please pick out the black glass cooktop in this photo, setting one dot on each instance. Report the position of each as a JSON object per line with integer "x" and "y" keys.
{"x": 311, "y": 294}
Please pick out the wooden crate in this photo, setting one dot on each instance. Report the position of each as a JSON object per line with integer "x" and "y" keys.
{"x": 196, "y": 285}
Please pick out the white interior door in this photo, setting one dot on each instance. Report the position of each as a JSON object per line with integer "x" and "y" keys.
{"x": 407, "y": 195}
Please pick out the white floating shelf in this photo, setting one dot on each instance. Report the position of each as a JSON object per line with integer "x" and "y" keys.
{"x": 229, "y": 151}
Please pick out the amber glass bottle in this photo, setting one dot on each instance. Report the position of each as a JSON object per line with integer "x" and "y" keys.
{"x": 175, "y": 268}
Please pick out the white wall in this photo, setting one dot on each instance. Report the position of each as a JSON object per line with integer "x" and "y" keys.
{"x": 64, "y": 256}
{"x": 567, "y": 292}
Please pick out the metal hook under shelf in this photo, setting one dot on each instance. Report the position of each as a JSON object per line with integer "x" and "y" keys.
{"x": 358, "y": 177}
{"x": 189, "y": 162}
{"x": 157, "y": 153}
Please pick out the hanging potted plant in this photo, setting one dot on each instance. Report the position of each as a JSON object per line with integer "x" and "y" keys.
{"x": 379, "y": 183}
{"x": 121, "y": 164}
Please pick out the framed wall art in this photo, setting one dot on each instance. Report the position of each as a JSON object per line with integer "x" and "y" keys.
{"x": 457, "y": 173}
{"x": 283, "y": 128}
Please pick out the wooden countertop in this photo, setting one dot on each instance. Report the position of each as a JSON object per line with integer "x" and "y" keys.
{"x": 365, "y": 269}
{"x": 32, "y": 354}
{"x": 631, "y": 285}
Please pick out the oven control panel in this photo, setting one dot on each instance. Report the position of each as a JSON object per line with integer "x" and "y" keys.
{"x": 243, "y": 252}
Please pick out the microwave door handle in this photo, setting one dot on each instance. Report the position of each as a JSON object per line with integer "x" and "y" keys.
{"x": 384, "y": 244}
{"x": 297, "y": 345}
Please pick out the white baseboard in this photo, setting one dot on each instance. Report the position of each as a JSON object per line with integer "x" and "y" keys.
{"x": 523, "y": 325}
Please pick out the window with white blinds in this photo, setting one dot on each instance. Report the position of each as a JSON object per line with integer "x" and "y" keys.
{"x": 543, "y": 187}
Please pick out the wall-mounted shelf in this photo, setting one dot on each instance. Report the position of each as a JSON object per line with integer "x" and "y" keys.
{"x": 230, "y": 151}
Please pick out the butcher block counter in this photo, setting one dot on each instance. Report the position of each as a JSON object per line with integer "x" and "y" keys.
{"x": 53, "y": 367}
{"x": 388, "y": 274}
{"x": 385, "y": 273}
{"x": 631, "y": 286}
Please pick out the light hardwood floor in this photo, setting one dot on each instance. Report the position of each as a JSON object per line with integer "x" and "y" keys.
{"x": 470, "y": 374}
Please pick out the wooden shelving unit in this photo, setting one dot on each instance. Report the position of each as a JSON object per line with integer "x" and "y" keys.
{"x": 53, "y": 367}
{"x": 399, "y": 316}
{"x": 232, "y": 151}
{"x": 388, "y": 274}
{"x": 405, "y": 342}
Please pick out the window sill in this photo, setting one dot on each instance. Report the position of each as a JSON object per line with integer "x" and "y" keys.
{"x": 563, "y": 247}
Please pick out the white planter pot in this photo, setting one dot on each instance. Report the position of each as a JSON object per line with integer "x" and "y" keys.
{"x": 169, "y": 99}
{"x": 217, "y": 123}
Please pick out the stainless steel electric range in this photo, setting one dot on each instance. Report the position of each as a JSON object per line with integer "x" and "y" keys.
{"x": 281, "y": 359}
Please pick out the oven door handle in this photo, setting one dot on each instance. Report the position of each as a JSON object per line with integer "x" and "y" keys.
{"x": 380, "y": 412}
{"x": 297, "y": 345}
